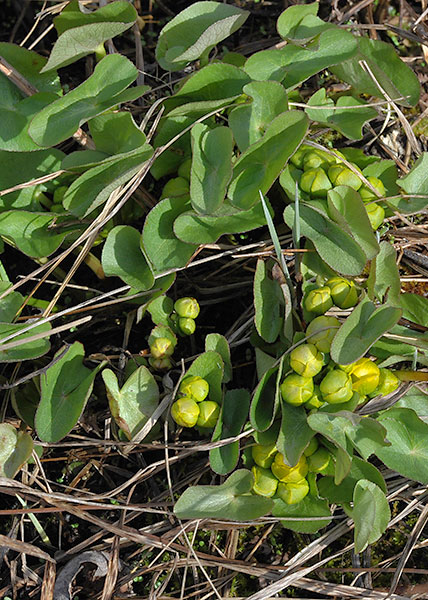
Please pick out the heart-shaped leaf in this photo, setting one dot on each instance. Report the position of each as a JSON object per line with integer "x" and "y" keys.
{"x": 295, "y": 433}
{"x": 339, "y": 494}
{"x": 230, "y": 500}
{"x": 268, "y": 302}
{"x": 415, "y": 308}
{"x": 15, "y": 449}
{"x": 371, "y": 514}
{"x": 314, "y": 512}
{"x": 364, "y": 326}
{"x": 30, "y": 65}
{"x": 30, "y": 232}
{"x": 133, "y": 404}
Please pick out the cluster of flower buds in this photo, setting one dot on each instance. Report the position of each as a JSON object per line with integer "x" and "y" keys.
{"x": 336, "y": 291}
{"x": 185, "y": 312}
{"x": 192, "y": 407}
{"x": 274, "y": 478}
{"x": 317, "y": 172}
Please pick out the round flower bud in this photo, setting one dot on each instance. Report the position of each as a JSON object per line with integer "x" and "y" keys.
{"x": 292, "y": 493}
{"x": 161, "y": 347}
{"x": 178, "y": 186}
{"x": 319, "y": 461}
{"x": 316, "y": 400}
{"x": 341, "y": 175}
{"x": 187, "y": 307}
{"x": 263, "y": 455}
{"x": 367, "y": 195}
{"x": 288, "y": 474}
{"x": 311, "y": 447}
{"x": 208, "y": 414}
{"x": 194, "y": 387}
{"x": 315, "y": 159}
{"x": 265, "y": 483}
{"x": 324, "y": 338}
{"x": 160, "y": 364}
{"x": 388, "y": 383}
{"x": 185, "y": 412}
{"x": 336, "y": 387}
{"x": 186, "y": 325}
{"x": 306, "y": 360}
{"x": 376, "y": 214}
{"x": 319, "y": 300}
{"x": 343, "y": 292}
{"x": 315, "y": 182}
{"x": 296, "y": 389}
{"x": 297, "y": 158}
{"x": 365, "y": 376}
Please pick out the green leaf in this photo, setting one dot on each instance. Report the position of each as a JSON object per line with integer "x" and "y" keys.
{"x": 261, "y": 164}
{"x": 267, "y": 302}
{"x": 347, "y": 209}
{"x": 159, "y": 242}
{"x": 209, "y": 366}
{"x": 364, "y": 326}
{"x": 417, "y": 400}
{"x": 230, "y": 500}
{"x": 10, "y": 304}
{"x": 415, "y": 182}
{"x": 162, "y": 331}
{"x": 30, "y": 65}
{"x": 99, "y": 92}
{"x": 415, "y": 308}
{"x": 94, "y": 187}
{"x": 218, "y": 343}
{"x": 386, "y": 171}
{"x": 339, "y": 494}
{"x": 389, "y": 71}
{"x": 133, "y": 404}
{"x": 27, "y": 351}
{"x": 122, "y": 257}
{"x": 116, "y": 133}
{"x": 191, "y": 227}
{"x": 265, "y": 402}
{"x": 65, "y": 389}
{"x": 384, "y": 279}
{"x": 30, "y": 232}
{"x": 211, "y": 168}
{"x": 408, "y": 452}
{"x": 160, "y": 310}
{"x": 299, "y": 23}
{"x": 233, "y": 416}
{"x": 295, "y": 433}
{"x": 314, "y": 512}
{"x": 210, "y": 88}
{"x": 15, "y": 449}
{"x": 348, "y": 121}
{"x": 195, "y": 31}
{"x": 81, "y": 33}
{"x": 327, "y": 237}
{"x": 250, "y": 121}
{"x": 20, "y": 167}
{"x": 371, "y": 514}
{"x": 367, "y": 436}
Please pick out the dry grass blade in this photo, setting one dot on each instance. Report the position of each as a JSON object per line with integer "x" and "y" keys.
{"x": 112, "y": 571}
{"x": 48, "y": 583}
{"x": 24, "y": 548}
{"x": 345, "y": 591}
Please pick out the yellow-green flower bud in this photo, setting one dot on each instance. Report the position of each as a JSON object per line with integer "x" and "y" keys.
{"x": 306, "y": 360}
{"x": 365, "y": 376}
{"x": 319, "y": 461}
{"x": 297, "y": 158}
{"x": 187, "y": 307}
{"x": 296, "y": 389}
{"x": 388, "y": 383}
{"x": 194, "y": 387}
{"x": 319, "y": 300}
{"x": 292, "y": 493}
{"x": 178, "y": 186}
{"x": 311, "y": 447}
{"x": 341, "y": 175}
{"x": 315, "y": 159}
{"x": 367, "y": 195}
{"x": 315, "y": 182}
{"x": 346, "y": 368}
{"x": 343, "y": 292}
{"x": 288, "y": 474}
{"x": 376, "y": 214}
{"x": 336, "y": 387}
{"x": 160, "y": 364}
{"x": 185, "y": 412}
{"x": 263, "y": 455}
{"x": 324, "y": 338}
{"x": 186, "y": 325}
{"x": 208, "y": 414}
{"x": 316, "y": 401}
{"x": 265, "y": 484}
{"x": 161, "y": 347}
